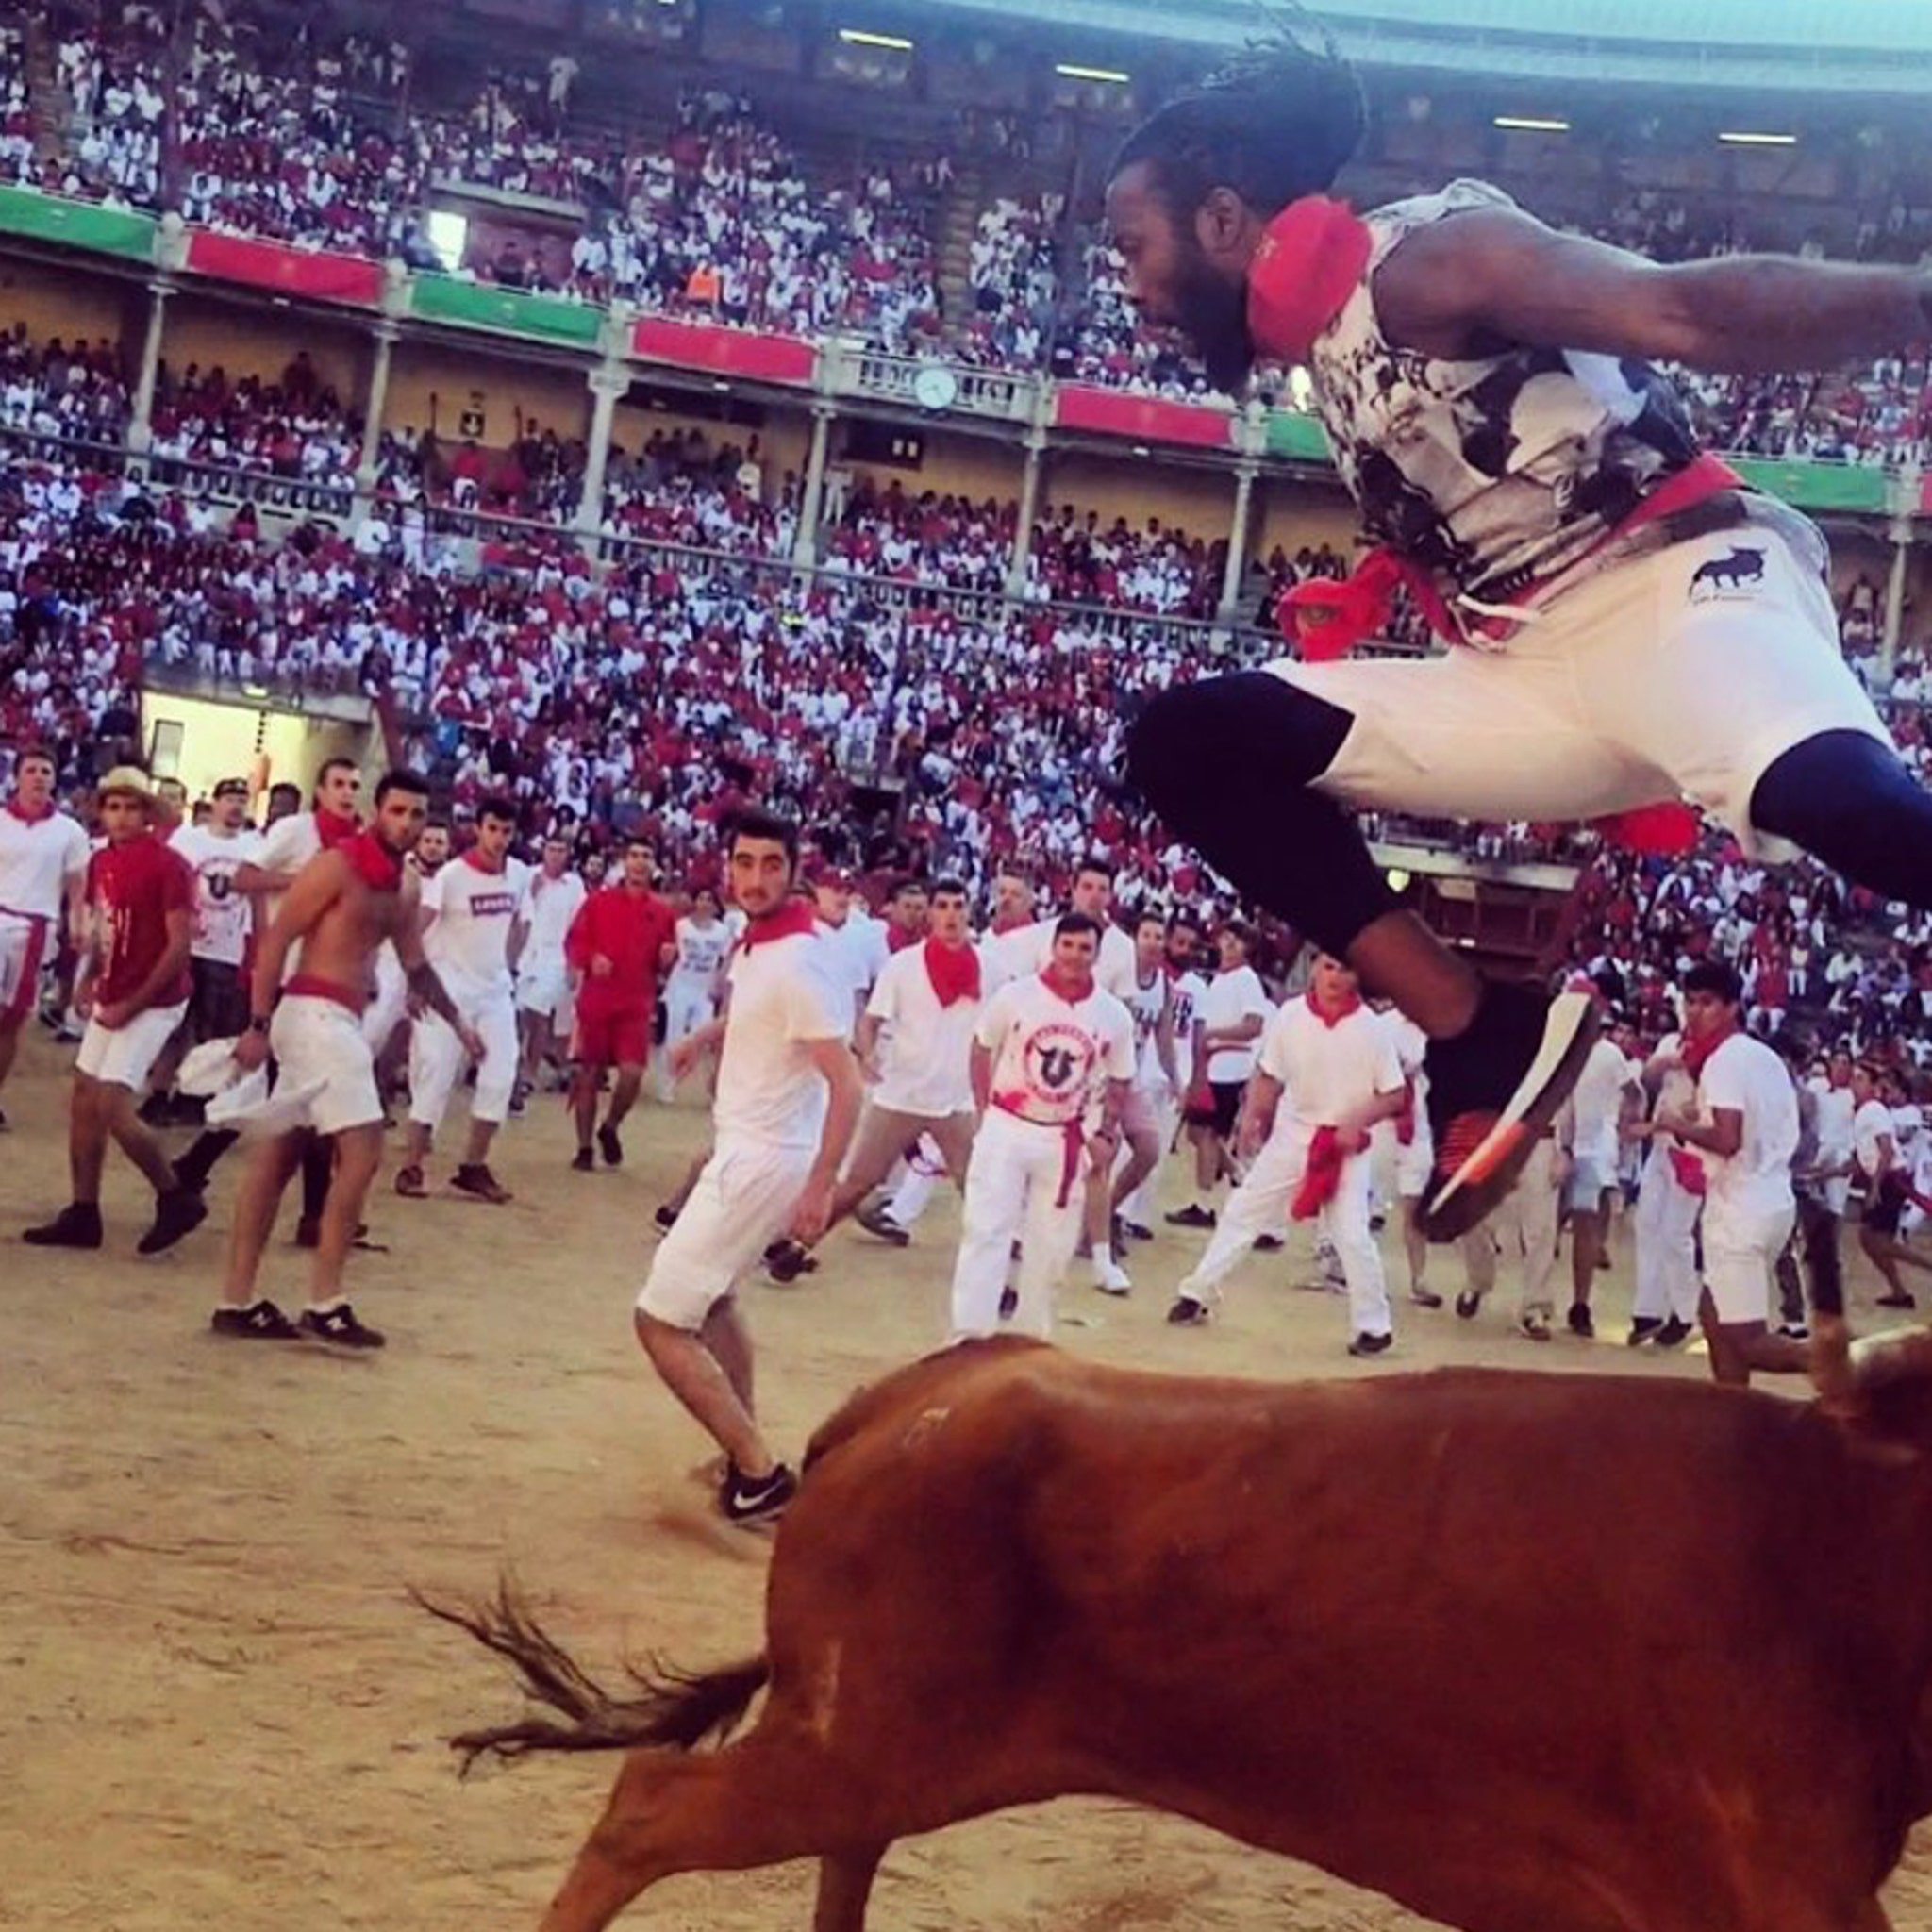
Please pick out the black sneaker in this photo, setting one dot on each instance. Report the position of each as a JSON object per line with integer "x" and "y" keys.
{"x": 4, "y": 1122}
{"x": 1794, "y": 1331}
{"x": 584, "y": 1162}
{"x": 1468, "y": 1305}
{"x": 1673, "y": 1334}
{"x": 666, "y": 1218}
{"x": 261, "y": 1321}
{"x": 1268, "y": 1244}
{"x": 1903, "y": 1299}
{"x": 177, "y": 1214}
{"x": 1582, "y": 1323}
{"x": 76, "y": 1225}
{"x": 519, "y": 1100}
{"x": 474, "y": 1179}
{"x": 1009, "y": 1302}
{"x": 157, "y": 1110}
{"x": 1135, "y": 1232}
{"x": 1644, "y": 1328}
{"x": 785, "y": 1260}
{"x": 1187, "y": 1312}
{"x": 1536, "y": 1327}
{"x": 876, "y": 1221}
{"x": 1372, "y": 1344}
{"x": 746, "y": 1501}
{"x": 1492, "y": 1090}
{"x": 339, "y": 1327}
{"x": 1192, "y": 1215}
{"x": 1425, "y": 1297}
{"x": 610, "y": 1146}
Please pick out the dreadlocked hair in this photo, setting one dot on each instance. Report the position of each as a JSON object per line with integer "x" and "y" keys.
{"x": 1277, "y": 121}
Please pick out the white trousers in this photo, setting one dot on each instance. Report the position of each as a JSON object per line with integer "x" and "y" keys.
{"x": 1666, "y": 1225}
{"x": 1013, "y": 1192}
{"x": 1260, "y": 1206}
{"x": 437, "y": 1061}
{"x": 1142, "y": 1206}
{"x": 1521, "y": 1230}
{"x": 919, "y": 1180}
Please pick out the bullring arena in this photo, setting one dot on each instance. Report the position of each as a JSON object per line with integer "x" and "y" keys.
{"x": 220, "y": 1705}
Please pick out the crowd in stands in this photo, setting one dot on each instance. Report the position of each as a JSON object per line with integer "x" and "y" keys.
{"x": 53, "y": 389}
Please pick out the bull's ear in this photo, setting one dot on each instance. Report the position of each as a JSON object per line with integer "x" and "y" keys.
{"x": 1892, "y": 1383}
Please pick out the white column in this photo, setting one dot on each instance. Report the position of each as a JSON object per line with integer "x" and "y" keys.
{"x": 140, "y": 430}
{"x": 805, "y": 547}
{"x": 609, "y": 384}
{"x": 1029, "y": 510}
{"x": 375, "y": 401}
{"x": 1245, "y": 473}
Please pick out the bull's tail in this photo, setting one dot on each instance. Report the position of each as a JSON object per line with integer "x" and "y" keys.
{"x": 663, "y": 1710}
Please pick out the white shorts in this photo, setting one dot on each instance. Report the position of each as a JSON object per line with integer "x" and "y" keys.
{"x": 1401, "y": 1172}
{"x": 1590, "y": 1180}
{"x": 437, "y": 1058}
{"x": 1741, "y": 1252}
{"x": 1690, "y": 672}
{"x": 125, "y": 1055}
{"x": 320, "y": 1042}
{"x": 25, "y": 943}
{"x": 543, "y": 986}
{"x": 739, "y": 1206}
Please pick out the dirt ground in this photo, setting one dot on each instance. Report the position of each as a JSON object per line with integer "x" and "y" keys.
{"x": 216, "y": 1705}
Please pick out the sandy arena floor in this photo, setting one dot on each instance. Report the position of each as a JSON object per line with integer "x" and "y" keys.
{"x": 216, "y": 1708}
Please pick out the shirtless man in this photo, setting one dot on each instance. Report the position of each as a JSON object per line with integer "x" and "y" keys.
{"x": 344, "y": 904}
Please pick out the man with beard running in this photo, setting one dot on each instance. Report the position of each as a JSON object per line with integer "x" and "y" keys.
{"x": 1631, "y": 624}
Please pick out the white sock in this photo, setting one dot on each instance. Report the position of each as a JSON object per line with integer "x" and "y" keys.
{"x": 1103, "y": 1257}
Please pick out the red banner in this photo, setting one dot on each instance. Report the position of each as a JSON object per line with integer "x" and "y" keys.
{"x": 729, "y": 350}
{"x": 1144, "y": 419}
{"x": 288, "y": 270}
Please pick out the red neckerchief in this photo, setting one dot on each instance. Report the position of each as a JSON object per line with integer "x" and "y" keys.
{"x": 477, "y": 862}
{"x": 791, "y": 919}
{"x": 898, "y": 938}
{"x": 372, "y": 862}
{"x": 1067, "y": 988}
{"x": 1696, "y": 1053}
{"x": 28, "y": 817}
{"x": 953, "y": 972}
{"x": 335, "y": 828}
{"x": 1309, "y": 262}
{"x": 1334, "y": 1016}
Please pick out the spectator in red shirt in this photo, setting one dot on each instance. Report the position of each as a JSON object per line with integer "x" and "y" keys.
{"x": 133, "y": 990}
{"x": 621, "y": 941}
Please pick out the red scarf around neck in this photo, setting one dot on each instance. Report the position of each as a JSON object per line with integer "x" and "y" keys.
{"x": 477, "y": 862}
{"x": 30, "y": 815}
{"x": 791, "y": 919}
{"x": 953, "y": 972}
{"x": 1334, "y": 1016}
{"x": 335, "y": 828}
{"x": 1695, "y": 1054}
{"x": 372, "y": 862}
{"x": 1066, "y": 987}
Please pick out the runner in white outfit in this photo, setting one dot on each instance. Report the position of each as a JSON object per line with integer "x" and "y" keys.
{"x": 1665, "y": 1309}
{"x": 1404, "y": 1153}
{"x": 543, "y": 1001}
{"x": 1836, "y": 1109}
{"x": 474, "y": 911}
{"x": 1328, "y": 1072}
{"x": 1745, "y": 1129}
{"x": 1186, "y": 944}
{"x": 1051, "y": 1062}
{"x": 43, "y": 858}
{"x": 698, "y": 978}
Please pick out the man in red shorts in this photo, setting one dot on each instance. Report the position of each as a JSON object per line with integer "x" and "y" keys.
{"x": 622, "y": 938}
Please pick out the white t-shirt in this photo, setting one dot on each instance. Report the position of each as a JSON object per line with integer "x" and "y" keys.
{"x": 1147, "y": 1003}
{"x": 786, "y": 997}
{"x": 287, "y": 846}
{"x": 222, "y": 915}
{"x": 1869, "y": 1124}
{"x": 475, "y": 912}
{"x": 852, "y": 963}
{"x": 550, "y": 905}
{"x": 1028, "y": 950}
{"x": 925, "y": 1049}
{"x": 1745, "y": 1076}
{"x": 38, "y": 857}
{"x": 1836, "y": 1112}
{"x": 1328, "y": 1071}
{"x": 701, "y": 950}
{"x": 1598, "y": 1105}
{"x": 1051, "y": 1060}
{"x": 1230, "y": 998}
{"x": 1190, "y": 990}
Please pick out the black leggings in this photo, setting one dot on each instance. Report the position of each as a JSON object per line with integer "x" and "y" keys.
{"x": 1229, "y": 763}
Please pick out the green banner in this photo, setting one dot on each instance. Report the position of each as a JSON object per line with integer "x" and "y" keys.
{"x": 480, "y": 305}
{"x": 1843, "y": 486}
{"x": 1297, "y": 436}
{"x": 76, "y": 224}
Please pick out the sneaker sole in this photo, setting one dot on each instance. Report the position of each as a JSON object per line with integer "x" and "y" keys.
{"x": 1488, "y": 1173}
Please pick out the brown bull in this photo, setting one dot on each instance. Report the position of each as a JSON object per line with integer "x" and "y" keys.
{"x": 1527, "y": 1653}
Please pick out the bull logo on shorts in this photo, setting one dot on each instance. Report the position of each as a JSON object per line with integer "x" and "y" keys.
{"x": 1740, "y": 571}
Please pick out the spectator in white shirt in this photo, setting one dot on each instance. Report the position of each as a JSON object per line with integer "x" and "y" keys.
{"x": 1227, "y": 1034}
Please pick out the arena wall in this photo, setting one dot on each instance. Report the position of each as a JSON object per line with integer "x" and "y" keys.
{"x": 1197, "y": 500}
{"x": 221, "y": 740}
{"x": 53, "y": 302}
{"x": 258, "y": 343}
{"x": 433, "y": 386}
